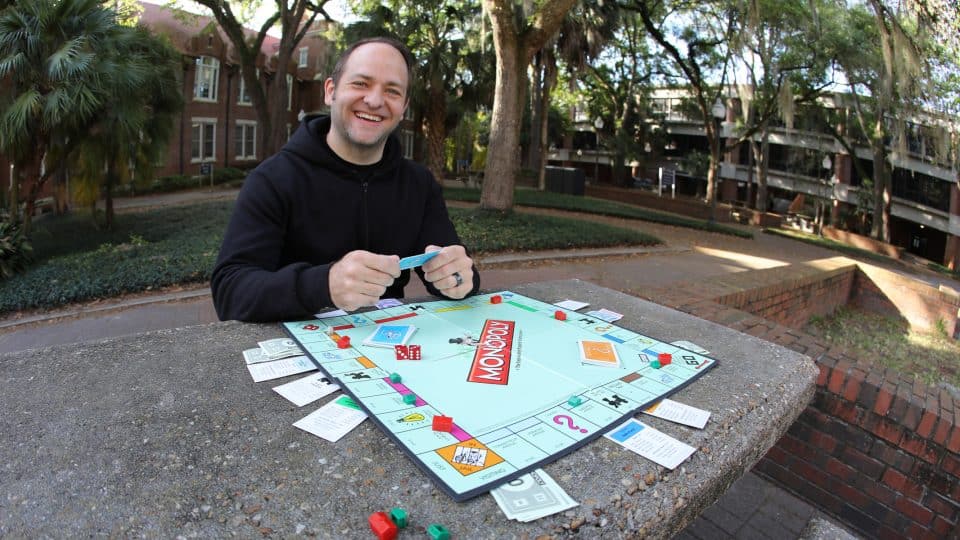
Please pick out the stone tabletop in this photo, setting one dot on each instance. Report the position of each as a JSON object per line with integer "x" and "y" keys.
{"x": 164, "y": 434}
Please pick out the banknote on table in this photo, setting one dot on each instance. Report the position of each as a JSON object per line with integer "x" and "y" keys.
{"x": 531, "y": 497}
{"x": 278, "y": 348}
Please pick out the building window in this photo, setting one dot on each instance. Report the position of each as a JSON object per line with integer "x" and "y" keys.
{"x": 304, "y": 55}
{"x": 289, "y": 92}
{"x": 205, "y": 79}
{"x": 244, "y": 97}
{"x": 203, "y": 139}
{"x": 406, "y": 142}
{"x": 246, "y": 140}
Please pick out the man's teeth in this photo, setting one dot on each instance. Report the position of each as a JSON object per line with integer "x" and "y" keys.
{"x": 370, "y": 117}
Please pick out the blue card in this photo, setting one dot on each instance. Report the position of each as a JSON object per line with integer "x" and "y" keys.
{"x": 388, "y": 335}
{"x": 417, "y": 260}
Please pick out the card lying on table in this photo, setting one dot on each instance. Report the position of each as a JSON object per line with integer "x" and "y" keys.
{"x": 417, "y": 260}
{"x": 388, "y": 335}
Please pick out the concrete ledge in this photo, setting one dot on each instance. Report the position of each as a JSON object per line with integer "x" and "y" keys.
{"x": 163, "y": 434}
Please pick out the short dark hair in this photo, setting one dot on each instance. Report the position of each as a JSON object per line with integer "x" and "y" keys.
{"x": 386, "y": 40}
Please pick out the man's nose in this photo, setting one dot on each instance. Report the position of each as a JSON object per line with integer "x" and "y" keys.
{"x": 374, "y": 97}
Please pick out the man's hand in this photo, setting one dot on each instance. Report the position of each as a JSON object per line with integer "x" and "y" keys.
{"x": 360, "y": 278}
{"x": 451, "y": 272}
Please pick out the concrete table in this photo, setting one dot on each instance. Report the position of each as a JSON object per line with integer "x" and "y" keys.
{"x": 163, "y": 434}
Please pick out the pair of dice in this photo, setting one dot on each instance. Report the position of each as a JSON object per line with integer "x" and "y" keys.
{"x": 407, "y": 352}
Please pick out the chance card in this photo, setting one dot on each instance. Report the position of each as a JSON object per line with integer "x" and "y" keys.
{"x": 598, "y": 353}
{"x": 388, "y": 335}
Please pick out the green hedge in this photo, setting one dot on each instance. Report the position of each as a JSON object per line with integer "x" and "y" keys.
{"x": 169, "y": 246}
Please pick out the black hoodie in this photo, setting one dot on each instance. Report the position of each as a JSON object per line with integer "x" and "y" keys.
{"x": 304, "y": 208}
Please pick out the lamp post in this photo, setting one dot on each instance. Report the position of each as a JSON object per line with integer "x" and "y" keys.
{"x": 827, "y": 167}
{"x": 719, "y": 112}
{"x": 598, "y": 125}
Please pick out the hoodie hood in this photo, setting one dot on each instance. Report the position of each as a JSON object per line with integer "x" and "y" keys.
{"x": 309, "y": 142}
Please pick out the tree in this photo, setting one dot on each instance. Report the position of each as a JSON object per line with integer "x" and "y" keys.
{"x": 517, "y": 36}
{"x": 780, "y": 47}
{"x": 883, "y": 61}
{"x": 697, "y": 37}
{"x": 268, "y": 96}
{"x": 617, "y": 88}
{"x": 131, "y": 133}
{"x": 436, "y": 31}
{"x": 582, "y": 35}
{"x": 55, "y": 55}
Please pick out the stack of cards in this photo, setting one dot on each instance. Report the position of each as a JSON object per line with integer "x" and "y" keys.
{"x": 531, "y": 497}
{"x": 598, "y": 353}
{"x": 390, "y": 335}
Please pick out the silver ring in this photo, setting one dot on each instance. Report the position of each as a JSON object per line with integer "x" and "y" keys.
{"x": 459, "y": 278}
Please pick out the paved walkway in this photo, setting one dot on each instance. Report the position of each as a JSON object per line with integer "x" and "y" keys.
{"x": 751, "y": 508}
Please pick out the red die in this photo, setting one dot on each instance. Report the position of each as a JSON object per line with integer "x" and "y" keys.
{"x": 496, "y": 299}
{"x": 402, "y": 352}
{"x": 559, "y": 315}
{"x": 414, "y": 351}
{"x": 665, "y": 358}
{"x": 382, "y": 526}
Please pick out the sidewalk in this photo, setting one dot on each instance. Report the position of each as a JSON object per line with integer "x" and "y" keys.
{"x": 751, "y": 508}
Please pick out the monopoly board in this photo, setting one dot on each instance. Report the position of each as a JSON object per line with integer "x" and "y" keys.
{"x": 504, "y": 367}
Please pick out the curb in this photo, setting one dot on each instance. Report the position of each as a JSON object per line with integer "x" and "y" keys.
{"x": 483, "y": 263}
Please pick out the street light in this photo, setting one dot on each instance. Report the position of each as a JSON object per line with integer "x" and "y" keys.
{"x": 598, "y": 124}
{"x": 719, "y": 112}
{"x": 827, "y": 167}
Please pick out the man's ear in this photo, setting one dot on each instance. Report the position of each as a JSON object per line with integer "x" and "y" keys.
{"x": 328, "y": 88}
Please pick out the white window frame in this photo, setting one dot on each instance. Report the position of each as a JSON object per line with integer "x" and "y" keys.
{"x": 243, "y": 91}
{"x": 245, "y": 153}
{"x": 206, "y": 69}
{"x": 304, "y": 57}
{"x": 289, "y": 92}
{"x": 200, "y": 123}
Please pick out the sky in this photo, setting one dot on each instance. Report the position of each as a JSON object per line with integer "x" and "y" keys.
{"x": 338, "y": 9}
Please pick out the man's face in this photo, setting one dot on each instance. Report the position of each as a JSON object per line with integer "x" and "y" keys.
{"x": 367, "y": 103}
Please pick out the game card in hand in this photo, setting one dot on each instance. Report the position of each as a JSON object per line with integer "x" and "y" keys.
{"x": 389, "y": 335}
{"x": 417, "y": 260}
{"x": 598, "y": 353}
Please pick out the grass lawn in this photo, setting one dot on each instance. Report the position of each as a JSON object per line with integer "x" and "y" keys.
{"x": 889, "y": 342}
{"x": 590, "y": 205}
{"x": 151, "y": 249}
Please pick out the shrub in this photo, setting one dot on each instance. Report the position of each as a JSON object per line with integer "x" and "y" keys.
{"x": 227, "y": 174}
{"x": 16, "y": 252}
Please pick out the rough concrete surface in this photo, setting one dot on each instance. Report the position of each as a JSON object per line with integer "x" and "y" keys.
{"x": 164, "y": 434}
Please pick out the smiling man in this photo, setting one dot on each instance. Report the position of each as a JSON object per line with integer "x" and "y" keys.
{"x": 325, "y": 221}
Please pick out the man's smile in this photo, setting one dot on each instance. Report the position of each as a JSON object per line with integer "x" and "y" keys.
{"x": 367, "y": 116}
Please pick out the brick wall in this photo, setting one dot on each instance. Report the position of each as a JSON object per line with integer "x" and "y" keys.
{"x": 877, "y": 450}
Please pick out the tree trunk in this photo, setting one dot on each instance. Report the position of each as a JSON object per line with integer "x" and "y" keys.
{"x": 108, "y": 196}
{"x": 277, "y": 107}
{"x": 880, "y": 228}
{"x": 763, "y": 168}
{"x": 502, "y": 156}
{"x": 536, "y": 112}
{"x": 435, "y": 123}
{"x": 549, "y": 81}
